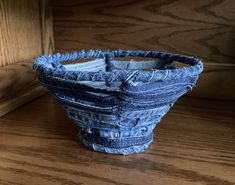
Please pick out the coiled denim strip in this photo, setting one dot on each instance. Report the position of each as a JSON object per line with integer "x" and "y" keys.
{"x": 117, "y": 103}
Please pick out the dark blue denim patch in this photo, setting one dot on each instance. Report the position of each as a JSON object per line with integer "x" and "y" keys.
{"x": 117, "y": 103}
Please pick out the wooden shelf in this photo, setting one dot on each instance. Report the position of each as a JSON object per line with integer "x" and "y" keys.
{"x": 194, "y": 144}
{"x": 26, "y": 31}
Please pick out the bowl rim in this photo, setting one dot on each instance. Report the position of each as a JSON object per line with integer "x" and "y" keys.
{"x": 51, "y": 66}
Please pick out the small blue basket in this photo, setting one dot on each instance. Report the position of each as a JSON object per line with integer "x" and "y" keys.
{"x": 117, "y": 103}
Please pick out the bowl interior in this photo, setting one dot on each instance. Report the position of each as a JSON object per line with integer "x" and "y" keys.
{"x": 120, "y": 63}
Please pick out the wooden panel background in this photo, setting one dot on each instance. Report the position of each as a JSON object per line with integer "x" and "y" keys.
{"x": 205, "y": 28}
{"x": 26, "y": 31}
{"x": 19, "y": 31}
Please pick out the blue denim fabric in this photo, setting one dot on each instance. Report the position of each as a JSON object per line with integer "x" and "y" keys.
{"x": 117, "y": 103}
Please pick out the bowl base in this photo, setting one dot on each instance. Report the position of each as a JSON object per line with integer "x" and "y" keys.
{"x": 122, "y": 146}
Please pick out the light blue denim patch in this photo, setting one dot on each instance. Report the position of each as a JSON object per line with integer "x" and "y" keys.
{"x": 117, "y": 103}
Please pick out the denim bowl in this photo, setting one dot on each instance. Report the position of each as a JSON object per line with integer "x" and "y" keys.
{"x": 117, "y": 102}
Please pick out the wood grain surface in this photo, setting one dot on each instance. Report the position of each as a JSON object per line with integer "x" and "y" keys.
{"x": 47, "y": 33}
{"x": 194, "y": 144}
{"x": 205, "y": 28}
{"x": 26, "y": 31}
{"x": 20, "y": 31}
{"x": 15, "y": 78}
{"x": 18, "y": 85}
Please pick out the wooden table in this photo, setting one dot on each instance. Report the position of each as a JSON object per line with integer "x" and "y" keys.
{"x": 194, "y": 144}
